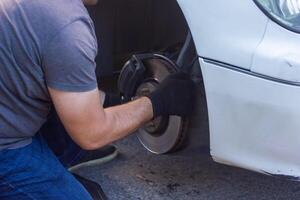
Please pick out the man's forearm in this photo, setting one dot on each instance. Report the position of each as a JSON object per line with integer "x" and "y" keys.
{"x": 120, "y": 121}
{"x": 91, "y": 126}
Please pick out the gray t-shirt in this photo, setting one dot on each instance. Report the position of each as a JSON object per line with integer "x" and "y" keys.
{"x": 43, "y": 43}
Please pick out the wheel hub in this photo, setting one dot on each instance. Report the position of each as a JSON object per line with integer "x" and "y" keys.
{"x": 157, "y": 126}
{"x": 163, "y": 134}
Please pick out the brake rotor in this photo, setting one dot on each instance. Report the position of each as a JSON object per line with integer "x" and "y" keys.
{"x": 163, "y": 134}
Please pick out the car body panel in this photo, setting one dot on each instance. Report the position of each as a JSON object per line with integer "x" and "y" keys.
{"x": 228, "y": 31}
{"x": 253, "y": 121}
{"x": 278, "y": 54}
{"x": 250, "y": 68}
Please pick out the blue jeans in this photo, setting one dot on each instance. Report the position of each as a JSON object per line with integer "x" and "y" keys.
{"x": 38, "y": 171}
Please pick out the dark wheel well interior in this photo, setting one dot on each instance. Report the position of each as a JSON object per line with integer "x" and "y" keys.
{"x": 126, "y": 27}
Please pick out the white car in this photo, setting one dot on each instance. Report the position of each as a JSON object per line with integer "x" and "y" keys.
{"x": 249, "y": 55}
{"x": 250, "y": 59}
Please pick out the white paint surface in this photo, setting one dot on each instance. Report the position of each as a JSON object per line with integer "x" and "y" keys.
{"x": 254, "y": 123}
{"x": 278, "y": 55}
{"x": 225, "y": 30}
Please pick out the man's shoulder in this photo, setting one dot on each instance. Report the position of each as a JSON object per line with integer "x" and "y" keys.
{"x": 57, "y": 10}
{"x": 53, "y": 15}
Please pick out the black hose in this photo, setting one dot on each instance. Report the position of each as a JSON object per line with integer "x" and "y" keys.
{"x": 185, "y": 51}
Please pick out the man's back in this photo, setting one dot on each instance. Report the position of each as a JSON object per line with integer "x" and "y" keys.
{"x": 27, "y": 62}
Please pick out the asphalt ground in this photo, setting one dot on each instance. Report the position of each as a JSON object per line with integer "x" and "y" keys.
{"x": 188, "y": 174}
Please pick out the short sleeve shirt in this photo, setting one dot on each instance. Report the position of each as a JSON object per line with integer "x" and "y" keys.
{"x": 43, "y": 44}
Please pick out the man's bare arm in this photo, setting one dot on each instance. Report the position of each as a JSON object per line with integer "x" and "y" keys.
{"x": 91, "y": 126}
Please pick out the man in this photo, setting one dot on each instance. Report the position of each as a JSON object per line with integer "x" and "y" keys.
{"x": 47, "y": 53}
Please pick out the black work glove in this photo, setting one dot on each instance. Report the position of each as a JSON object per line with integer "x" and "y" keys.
{"x": 112, "y": 100}
{"x": 174, "y": 96}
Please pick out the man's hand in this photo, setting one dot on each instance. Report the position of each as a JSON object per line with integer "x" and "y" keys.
{"x": 174, "y": 96}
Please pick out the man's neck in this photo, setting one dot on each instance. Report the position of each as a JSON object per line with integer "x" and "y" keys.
{"x": 90, "y": 2}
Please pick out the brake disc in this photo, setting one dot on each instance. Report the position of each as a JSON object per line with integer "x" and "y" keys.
{"x": 163, "y": 134}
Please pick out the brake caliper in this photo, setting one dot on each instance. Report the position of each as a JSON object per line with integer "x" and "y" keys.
{"x": 131, "y": 76}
